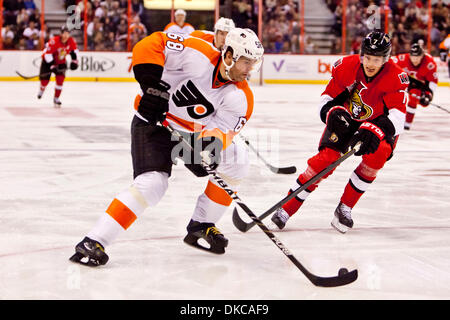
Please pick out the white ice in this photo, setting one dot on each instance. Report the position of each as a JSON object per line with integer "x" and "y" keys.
{"x": 60, "y": 169}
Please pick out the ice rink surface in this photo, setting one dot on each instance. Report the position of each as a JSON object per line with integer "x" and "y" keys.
{"x": 60, "y": 169}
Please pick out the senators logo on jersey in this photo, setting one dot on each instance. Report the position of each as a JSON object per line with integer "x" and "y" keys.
{"x": 359, "y": 110}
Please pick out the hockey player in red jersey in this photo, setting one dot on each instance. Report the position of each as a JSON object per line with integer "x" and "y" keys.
{"x": 422, "y": 72}
{"x": 54, "y": 61}
{"x": 203, "y": 94}
{"x": 365, "y": 101}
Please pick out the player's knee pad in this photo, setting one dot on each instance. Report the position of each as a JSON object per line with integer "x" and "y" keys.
{"x": 414, "y": 97}
{"x": 146, "y": 190}
{"x": 150, "y": 187}
{"x": 321, "y": 160}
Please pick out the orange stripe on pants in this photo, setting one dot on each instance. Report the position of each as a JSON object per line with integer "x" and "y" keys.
{"x": 121, "y": 213}
{"x": 217, "y": 194}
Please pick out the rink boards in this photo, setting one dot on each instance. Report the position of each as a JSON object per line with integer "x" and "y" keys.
{"x": 116, "y": 66}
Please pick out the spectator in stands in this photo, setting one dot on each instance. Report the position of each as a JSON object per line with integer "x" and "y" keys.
{"x": 8, "y": 38}
{"x": 31, "y": 35}
{"x": 138, "y": 28}
{"x": 117, "y": 46}
{"x": 110, "y": 41}
{"x": 138, "y": 8}
{"x": 122, "y": 30}
{"x": 29, "y": 5}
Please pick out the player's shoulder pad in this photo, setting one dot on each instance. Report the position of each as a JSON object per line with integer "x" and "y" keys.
{"x": 348, "y": 61}
{"x": 241, "y": 99}
{"x": 397, "y": 74}
{"x": 54, "y": 40}
{"x": 429, "y": 60}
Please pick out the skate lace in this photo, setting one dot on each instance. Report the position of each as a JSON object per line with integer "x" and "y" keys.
{"x": 346, "y": 211}
{"x": 282, "y": 214}
{"x": 213, "y": 230}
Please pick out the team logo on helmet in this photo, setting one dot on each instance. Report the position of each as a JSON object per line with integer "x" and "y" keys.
{"x": 359, "y": 110}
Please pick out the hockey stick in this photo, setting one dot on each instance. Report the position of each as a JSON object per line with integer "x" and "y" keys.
{"x": 282, "y": 170}
{"x": 32, "y": 77}
{"x": 243, "y": 226}
{"x": 433, "y": 104}
{"x": 344, "y": 276}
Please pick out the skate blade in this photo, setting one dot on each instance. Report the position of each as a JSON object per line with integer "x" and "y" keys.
{"x": 193, "y": 242}
{"x": 339, "y": 226}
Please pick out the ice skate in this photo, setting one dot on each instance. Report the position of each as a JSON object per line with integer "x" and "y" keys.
{"x": 280, "y": 217}
{"x": 57, "y": 102}
{"x": 90, "y": 253}
{"x": 209, "y": 233}
{"x": 40, "y": 94}
{"x": 342, "y": 220}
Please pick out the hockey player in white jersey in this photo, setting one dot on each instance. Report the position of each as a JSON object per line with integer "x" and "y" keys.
{"x": 217, "y": 38}
{"x": 203, "y": 93}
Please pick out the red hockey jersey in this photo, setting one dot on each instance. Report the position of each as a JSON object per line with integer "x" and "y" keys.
{"x": 425, "y": 71}
{"x": 57, "y": 51}
{"x": 383, "y": 94}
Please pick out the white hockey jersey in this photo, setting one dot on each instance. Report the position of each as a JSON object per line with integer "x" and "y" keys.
{"x": 198, "y": 101}
{"x": 175, "y": 28}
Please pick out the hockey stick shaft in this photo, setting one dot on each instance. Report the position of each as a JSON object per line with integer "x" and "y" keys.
{"x": 282, "y": 170}
{"x": 244, "y": 227}
{"x": 32, "y": 77}
{"x": 340, "y": 280}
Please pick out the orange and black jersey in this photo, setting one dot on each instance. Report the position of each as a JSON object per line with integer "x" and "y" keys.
{"x": 200, "y": 101}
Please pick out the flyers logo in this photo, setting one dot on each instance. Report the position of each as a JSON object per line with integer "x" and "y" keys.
{"x": 189, "y": 96}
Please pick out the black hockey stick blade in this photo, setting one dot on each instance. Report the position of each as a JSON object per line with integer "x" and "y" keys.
{"x": 25, "y": 77}
{"x": 243, "y": 226}
{"x": 344, "y": 277}
{"x": 283, "y": 170}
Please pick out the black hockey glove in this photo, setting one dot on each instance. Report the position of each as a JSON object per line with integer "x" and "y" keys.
{"x": 207, "y": 149}
{"x": 426, "y": 98}
{"x": 155, "y": 102}
{"x": 58, "y": 68}
{"x": 338, "y": 121}
{"x": 74, "y": 62}
{"x": 74, "y": 65}
{"x": 370, "y": 137}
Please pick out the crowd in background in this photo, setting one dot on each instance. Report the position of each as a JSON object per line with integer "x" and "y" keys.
{"x": 22, "y": 25}
{"x": 408, "y": 22}
{"x": 108, "y": 28}
{"x": 107, "y": 23}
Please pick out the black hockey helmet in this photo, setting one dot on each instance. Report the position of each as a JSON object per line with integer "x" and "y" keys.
{"x": 416, "y": 50}
{"x": 377, "y": 43}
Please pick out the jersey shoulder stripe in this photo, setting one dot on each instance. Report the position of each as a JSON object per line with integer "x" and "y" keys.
{"x": 152, "y": 49}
